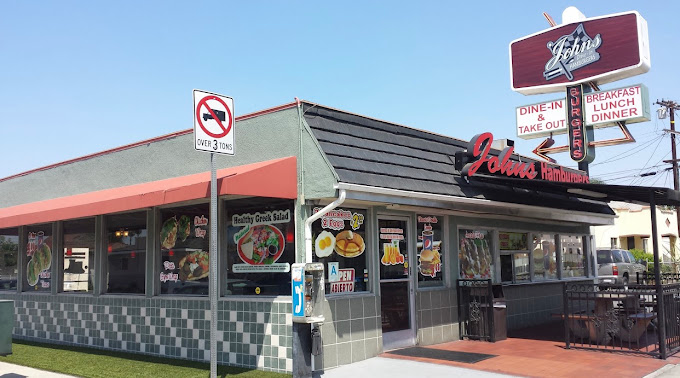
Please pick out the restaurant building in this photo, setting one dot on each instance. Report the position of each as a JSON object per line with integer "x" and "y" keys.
{"x": 111, "y": 250}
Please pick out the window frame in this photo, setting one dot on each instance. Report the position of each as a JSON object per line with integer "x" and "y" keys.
{"x": 91, "y": 265}
{"x": 105, "y": 258}
{"x": 443, "y": 219}
{"x": 585, "y": 256}
{"x": 224, "y": 223}
{"x": 17, "y": 264}
{"x": 513, "y": 254}
{"x": 370, "y": 228}
{"x": 555, "y": 237}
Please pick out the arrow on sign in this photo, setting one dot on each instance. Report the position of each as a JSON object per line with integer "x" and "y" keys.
{"x": 546, "y": 148}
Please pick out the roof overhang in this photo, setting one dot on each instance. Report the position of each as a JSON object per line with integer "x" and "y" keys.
{"x": 273, "y": 178}
{"x": 598, "y": 192}
{"x": 472, "y": 205}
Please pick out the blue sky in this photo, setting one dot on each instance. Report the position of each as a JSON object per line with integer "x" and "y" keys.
{"x": 78, "y": 77}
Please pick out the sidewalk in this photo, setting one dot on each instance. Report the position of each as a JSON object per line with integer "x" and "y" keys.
{"x": 381, "y": 367}
{"x": 18, "y": 371}
{"x": 668, "y": 371}
{"x": 514, "y": 357}
{"x": 378, "y": 367}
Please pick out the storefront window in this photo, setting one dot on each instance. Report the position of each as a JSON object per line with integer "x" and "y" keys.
{"x": 430, "y": 250}
{"x": 9, "y": 252}
{"x": 573, "y": 256}
{"x": 126, "y": 253}
{"x": 79, "y": 244}
{"x": 39, "y": 257}
{"x": 475, "y": 254}
{"x": 185, "y": 246}
{"x": 260, "y": 246}
{"x": 515, "y": 262}
{"x": 339, "y": 243}
{"x": 545, "y": 257}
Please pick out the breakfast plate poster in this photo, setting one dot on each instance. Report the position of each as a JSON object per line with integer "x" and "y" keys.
{"x": 339, "y": 243}
{"x": 260, "y": 241}
{"x": 430, "y": 251}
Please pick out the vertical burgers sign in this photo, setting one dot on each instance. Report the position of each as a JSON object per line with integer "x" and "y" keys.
{"x": 602, "y": 49}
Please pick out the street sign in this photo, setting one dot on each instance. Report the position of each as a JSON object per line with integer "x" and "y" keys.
{"x": 213, "y": 123}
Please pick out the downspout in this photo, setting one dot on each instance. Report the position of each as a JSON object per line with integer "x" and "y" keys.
{"x": 301, "y": 151}
{"x": 314, "y": 217}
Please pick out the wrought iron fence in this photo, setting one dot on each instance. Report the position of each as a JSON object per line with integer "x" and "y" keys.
{"x": 475, "y": 309}
{"x": 618, "y": 318}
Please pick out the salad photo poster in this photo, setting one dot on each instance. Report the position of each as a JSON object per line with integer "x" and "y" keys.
{"x": 260, "y": 241}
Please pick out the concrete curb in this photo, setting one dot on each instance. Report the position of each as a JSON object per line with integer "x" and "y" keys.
{"x": 663, "y": 371}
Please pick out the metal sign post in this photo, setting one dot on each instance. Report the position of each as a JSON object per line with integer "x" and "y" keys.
{"x": 213, "y": 268}
{"x": 214, "y": 133}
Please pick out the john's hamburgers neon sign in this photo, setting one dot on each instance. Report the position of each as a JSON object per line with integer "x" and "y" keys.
{"x": 478, "y": 158}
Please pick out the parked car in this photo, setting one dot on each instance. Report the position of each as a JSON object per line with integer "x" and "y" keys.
{"x": 617, "y": 266}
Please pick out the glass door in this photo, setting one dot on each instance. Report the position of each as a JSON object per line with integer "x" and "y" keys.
{"x": 396, "y": 284}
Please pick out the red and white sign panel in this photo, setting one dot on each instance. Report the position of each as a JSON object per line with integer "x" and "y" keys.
{"x": 601, "y": 49}
{"x": 540, "y": 120}
{"x": 345, "y": 283}
{"x": 630, "y": 104}
{"x": 213, "y": 123}
{"x": 601, "y": 109}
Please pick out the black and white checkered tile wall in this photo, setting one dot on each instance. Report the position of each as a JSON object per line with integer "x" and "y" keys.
{"x": 252, "y": 334}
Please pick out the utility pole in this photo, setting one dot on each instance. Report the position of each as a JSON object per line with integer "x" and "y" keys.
{"x": 671, "y": 107}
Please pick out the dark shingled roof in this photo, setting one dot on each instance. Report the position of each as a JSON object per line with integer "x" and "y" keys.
{"x": 369, "y": 152}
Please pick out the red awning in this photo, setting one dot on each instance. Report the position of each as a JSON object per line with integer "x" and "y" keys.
{"x": 273, "y": 178}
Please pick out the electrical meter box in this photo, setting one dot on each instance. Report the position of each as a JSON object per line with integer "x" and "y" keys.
{"x": 308, "y": 292}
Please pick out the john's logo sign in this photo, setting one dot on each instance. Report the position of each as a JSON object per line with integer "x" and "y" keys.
{"x": 478, "y": 150}
{"x": 571, "y": 52}
{"x": 476, "y": 159}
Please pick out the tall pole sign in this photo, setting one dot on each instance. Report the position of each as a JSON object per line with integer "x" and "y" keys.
{"x": 578, "y": 137}
{"x": 213, "y": 132}
{"x": 581, "y": 51}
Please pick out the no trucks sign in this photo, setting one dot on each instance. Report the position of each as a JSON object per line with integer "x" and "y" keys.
{"x": 213, "y": 123}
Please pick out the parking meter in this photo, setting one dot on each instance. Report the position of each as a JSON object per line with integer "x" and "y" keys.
{"x": 308, "y": 292}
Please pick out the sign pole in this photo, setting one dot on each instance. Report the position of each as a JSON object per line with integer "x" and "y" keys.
{"x": 213, "y": 132}
{"x": 213, "y": 268}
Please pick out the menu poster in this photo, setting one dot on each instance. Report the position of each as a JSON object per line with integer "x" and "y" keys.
{"x": 429, "y": 247}
{"x": 259, "y": 242}
{"x": 341, "y": 234}
{"x": 39, "y": 256}
{"x": 475, "y": 254}
{"x": 185, "y": 249}
{"x": 513, "y": 241}
{"x": 391, "y": 253}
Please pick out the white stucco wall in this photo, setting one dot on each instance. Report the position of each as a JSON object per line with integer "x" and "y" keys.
{"x": 635, "y": 220}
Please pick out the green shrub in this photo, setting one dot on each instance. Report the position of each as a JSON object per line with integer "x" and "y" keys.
{"x": 642, "y": 255}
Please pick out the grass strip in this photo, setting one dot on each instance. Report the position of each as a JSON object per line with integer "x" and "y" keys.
{"x": 98, "y": 363}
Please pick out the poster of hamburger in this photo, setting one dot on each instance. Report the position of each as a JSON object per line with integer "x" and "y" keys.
{"x": 430, "y": 249}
